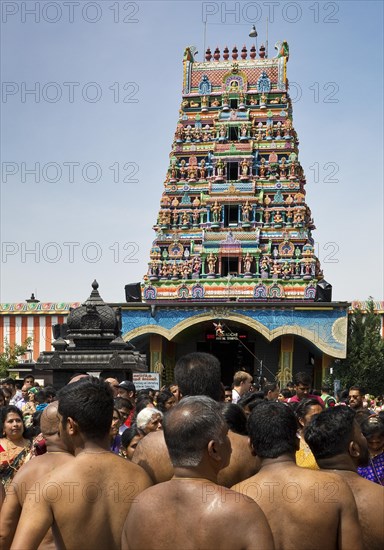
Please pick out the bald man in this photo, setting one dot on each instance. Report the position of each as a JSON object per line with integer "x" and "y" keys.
{"x": 196, "y": 374}
{"x": 85, "y": 501}
{"x": 57, "y": 455}
{"x": 114, "y": 383}
{"x": 192, "y": 510}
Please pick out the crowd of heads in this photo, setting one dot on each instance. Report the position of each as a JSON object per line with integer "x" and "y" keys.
{"x": 127, "y": 415}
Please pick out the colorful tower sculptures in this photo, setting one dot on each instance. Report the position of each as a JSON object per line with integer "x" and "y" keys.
{"x": 233, "y": 221}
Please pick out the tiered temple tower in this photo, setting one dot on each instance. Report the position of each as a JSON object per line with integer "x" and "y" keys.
{"x": 233, "y": 221}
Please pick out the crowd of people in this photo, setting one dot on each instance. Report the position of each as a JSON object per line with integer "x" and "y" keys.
{"x": 196, "y": 465}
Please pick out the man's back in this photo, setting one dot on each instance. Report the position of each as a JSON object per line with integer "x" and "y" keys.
{"x": 370, "y": 506}
{"x": 17, "y": 491}
{"x": 152, "y": 455}
{"x": 200, "y": 515}
{"x": 305, "y": 509}
{"x": 89, "y": 499}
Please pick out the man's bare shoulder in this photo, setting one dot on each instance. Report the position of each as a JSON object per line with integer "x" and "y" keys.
{"x": 242, "y": 463}
{"x": 364, "y": 486}
{"x": 152, "y": 455}
{"x": 43, "y": 462}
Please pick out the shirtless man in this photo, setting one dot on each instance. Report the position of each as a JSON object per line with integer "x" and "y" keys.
{"x": 196, "y": 374}
{"x": 336, "y": 440}
{"x": 57, "y": 455}
{"x": 87, "y": 500}
{"x": 305, "y": 508}
{"x": 198, "y": 513}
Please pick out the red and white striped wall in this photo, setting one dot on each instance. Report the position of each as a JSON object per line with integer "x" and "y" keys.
{"x": 21, "y": 321}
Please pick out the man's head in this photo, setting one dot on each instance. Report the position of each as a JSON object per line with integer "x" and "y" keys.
{"x": 272, "y": 429}
{"x": 124, "y": 406}
{"x": 325, "y": 388}
{"x": 302, "y": 382}
{"x": 29, "y": 380}
{"x": 228, "y": 394}
{"x": 86, "y": 409}
{"x": 126, "y": 389}
{"x": 195, "y": 430}
{"x": 114, "y": 383}
{"x": 356, "y": 396}
{"x": 198, "y": 374}
{"x": 242, "y": 381}
{"x": 271, "y": 391}
{"x": 10, "y": 384}
{"x": 24, "y": 392}
{"x": 335, "y": 432}
{"x": 49, "y": 425}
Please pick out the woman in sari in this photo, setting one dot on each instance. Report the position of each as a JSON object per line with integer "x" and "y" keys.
{"x": 14, "y": 447}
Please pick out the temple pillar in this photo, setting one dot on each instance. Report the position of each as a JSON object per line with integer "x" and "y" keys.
{"x": 155, "y": 351}
{"x": 169, "y": 362}
{"x": 286, "y": 358}
{"x": 317, "y": 372}
{"x": 325, "y": 366}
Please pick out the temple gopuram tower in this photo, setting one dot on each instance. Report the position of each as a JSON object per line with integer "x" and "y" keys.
{"x": 233, "y": 220}
{"x": 232, "y": 270}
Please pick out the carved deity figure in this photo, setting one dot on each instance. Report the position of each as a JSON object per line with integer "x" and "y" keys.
{"x": 244, "y": 167}
{"x": 276, "y": 269}
{"x": 192, "y": 172}
{"x": 262, "y": 168}
{"x": 247, "y": 263}
{"x": 246, "y": 209}
{"x": 202, "y": 169}
{"x": 216, "y": 211}
{"x": 211, "y": 261}
{"x": 220, "y": 168}
{"x": 196, "y": 264}
{"x": 278, "y": 219}
{"x": 183, "y": 169}
{"x": 185, "y": 218}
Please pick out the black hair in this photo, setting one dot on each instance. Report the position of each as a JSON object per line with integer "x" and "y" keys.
{"x": 89, "y": 402}
{"x": 129, "y": 434}
{"x": 161, "y": 400}
{"x": 188, "y": 428}
{"x": 304, "y": 406}
{"x": 250, "y": 400}
{"x": 41, "y": 397}
{"x": 199, "y": 374}
{"x": 330, "y": 432}
{"x": 272, "y": 429}
{"x": 325, "y": 388}
{"x": 142, "y": 403}
{"x": 235, "y": 417}
{"x": 270, "y": 386}
{"x": 10, "y": 381}
{"x": 373, "y": 425}
{"x": 4, "y": 413}
{"x": 360, "y": 389}
{"x": 302, "y": 378}
{"x": 122, "y": 402}
{"x": 286, "y": 393}
{"x": 50, "y": 391}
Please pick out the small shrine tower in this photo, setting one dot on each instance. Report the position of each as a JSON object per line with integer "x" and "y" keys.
{"x": 233, "y": 220}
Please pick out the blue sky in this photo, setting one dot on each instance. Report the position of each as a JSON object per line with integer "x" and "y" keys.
{"x": 100, "y": 124}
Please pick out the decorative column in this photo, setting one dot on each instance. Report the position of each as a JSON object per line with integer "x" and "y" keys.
{"x": 286, "y": 359}
{"x": 156, "y": 351}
